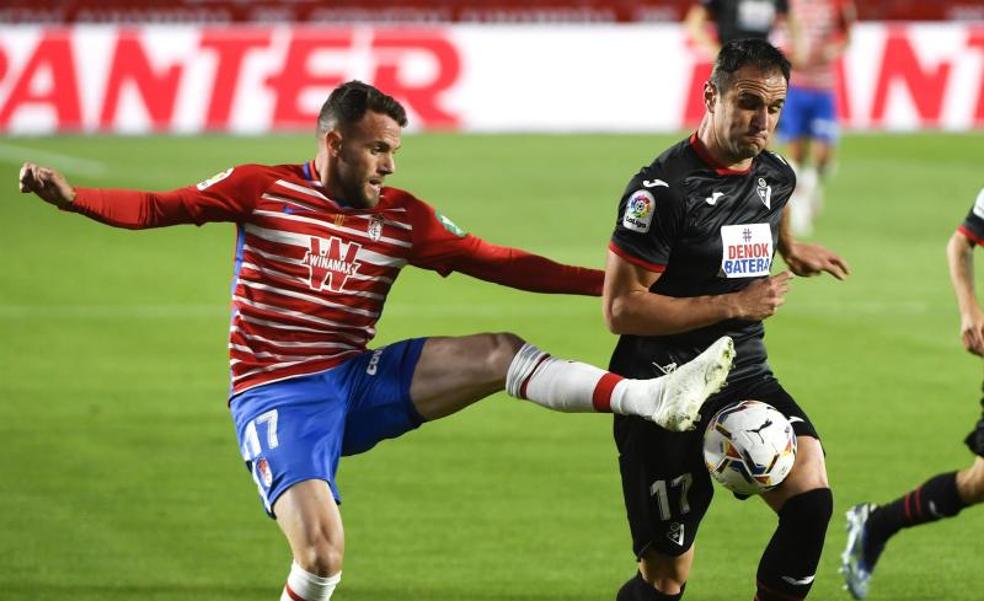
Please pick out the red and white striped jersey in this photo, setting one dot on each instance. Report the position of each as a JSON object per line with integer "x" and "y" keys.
{"x": 820, "y": 23}
{"x": 312, "y": 275}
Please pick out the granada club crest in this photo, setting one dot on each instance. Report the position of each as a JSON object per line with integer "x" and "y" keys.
{"x": 330, "y": 263}
{"x": 263, "y": 469}
{"x": 375, "y": 227}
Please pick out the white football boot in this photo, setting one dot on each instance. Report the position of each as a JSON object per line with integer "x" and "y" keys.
{"x": 855, "y": 565}
{"x": 677, "y": 402}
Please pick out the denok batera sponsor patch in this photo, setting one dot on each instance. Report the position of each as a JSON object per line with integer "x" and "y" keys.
{"x": 746, "y": 250}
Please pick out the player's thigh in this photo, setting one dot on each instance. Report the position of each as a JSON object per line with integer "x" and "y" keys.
{"x": 378, "y": 395}
{"x": 665, "y": 486}
{"x": 289, "y": 432}
{"x": 809, "y": 473}
{"x": 453, "y": 373}
{"x": 308, "y": 516}
{"x": 809, "y": 470}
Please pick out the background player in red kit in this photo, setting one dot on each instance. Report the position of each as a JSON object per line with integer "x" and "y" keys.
{"x": 809, "y": 119}
{"x": 945, "y": 495}
{"x": 319, "y": 246}
{"x": 690, "y": 260}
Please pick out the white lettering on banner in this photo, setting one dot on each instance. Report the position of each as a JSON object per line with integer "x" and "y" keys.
{"x": 746, "y": 250}
{"x": 192, "y": 78}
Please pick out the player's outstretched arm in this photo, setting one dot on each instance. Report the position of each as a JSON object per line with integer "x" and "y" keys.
{"x": 222, "y": 198}
{"x": 49, "y": 185}
{"x": 630, "y": 308}
{"x": 960, "y": 259}
{"x": 522, "y": 270}
{"x": 806, "y": 259}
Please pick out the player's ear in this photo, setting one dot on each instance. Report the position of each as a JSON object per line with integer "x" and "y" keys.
{"x": 710, "y": 94}
{"x": 333, "y": 142}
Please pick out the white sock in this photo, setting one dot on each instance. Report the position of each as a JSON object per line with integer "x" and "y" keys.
{"x": 305, "y": 586}
{"x": 572, "y": 386}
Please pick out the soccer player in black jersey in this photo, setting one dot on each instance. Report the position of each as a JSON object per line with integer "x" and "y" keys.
{"x": 871, "y": 526}
{"x": 735, "y": 19}
{"x": 690, "y": 260}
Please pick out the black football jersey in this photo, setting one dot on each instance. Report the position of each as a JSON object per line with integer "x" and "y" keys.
{"x": 736, "y": 19}
{"x": 708, "y": 231}
{"x": 973, "y": 223}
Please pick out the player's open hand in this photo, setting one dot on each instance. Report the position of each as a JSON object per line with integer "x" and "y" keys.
{"x": 972, "y": 332}
{"x": 50, "y": 185}
{"x": 763, "y": 297}
{"x": 812, "y": 259}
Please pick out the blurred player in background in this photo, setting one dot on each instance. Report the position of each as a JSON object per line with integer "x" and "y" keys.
{"x": 732, "y": 20}
{"x": 319, "y": 247}
{"x": 809, "y": 119}
{"x": 689, "y": 261}
{"x": 871, "y": 526}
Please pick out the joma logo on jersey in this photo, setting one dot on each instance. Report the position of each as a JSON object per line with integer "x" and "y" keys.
{"x": 331, "y": 262}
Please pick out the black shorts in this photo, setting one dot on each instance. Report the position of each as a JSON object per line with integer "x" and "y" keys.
{"x": 665, "y": 483}
{"x": 975, "y": 440}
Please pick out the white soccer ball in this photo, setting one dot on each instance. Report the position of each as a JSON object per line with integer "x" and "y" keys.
{"x": 749, "y": 447}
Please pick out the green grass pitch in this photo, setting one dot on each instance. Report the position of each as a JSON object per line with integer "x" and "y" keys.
{"x": 119, "y": 473}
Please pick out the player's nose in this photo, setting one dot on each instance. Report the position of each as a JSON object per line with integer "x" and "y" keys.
{"x": 387, "y": 165}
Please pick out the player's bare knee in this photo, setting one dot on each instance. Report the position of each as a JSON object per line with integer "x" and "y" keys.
{"x": 668, "y": 585}
{"x": 501, "y": 348}
{"x": 320, "y": 557}
{"x": 970, "y": 483}
{"x": 664, "y": 573}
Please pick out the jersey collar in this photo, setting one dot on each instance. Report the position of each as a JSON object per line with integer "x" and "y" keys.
{"x": 705, "y": 156}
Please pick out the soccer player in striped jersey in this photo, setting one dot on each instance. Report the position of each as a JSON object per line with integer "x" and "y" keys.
{"x": 871, "y": 526}
{"x": 809, "y": 119}
{"x": 319, "y": 246}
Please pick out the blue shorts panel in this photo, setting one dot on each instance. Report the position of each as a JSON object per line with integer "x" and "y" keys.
{"x": 809, "y": 114}
{"x": 296, "y": 429}
{"x": 380, "y": 406}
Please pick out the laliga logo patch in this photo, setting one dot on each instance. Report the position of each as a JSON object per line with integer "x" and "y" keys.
{"x": 639, "y": 211}
{"x": 375, "y": 228}
{"x": 746, "y": 250}
{"x": 765, "y": 192}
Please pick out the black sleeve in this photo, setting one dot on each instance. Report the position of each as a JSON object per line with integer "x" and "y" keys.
{"x": 782, "y": 7}
{"x": 973, "y": 224}
{"x": 710, "y": 6}
{"x": 650, "y": 218}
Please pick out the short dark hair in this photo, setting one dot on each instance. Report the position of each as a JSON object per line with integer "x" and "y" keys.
{"x": 747, "y": 51}
{"x": 349, "y": 102}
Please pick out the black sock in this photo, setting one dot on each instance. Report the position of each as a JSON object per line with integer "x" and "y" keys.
{"x": 789, "y": 564}
{"x": 936, "y": 499}
{"x": 638, "y": 589}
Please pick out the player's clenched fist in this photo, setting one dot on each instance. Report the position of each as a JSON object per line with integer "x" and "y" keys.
{"x": 972, "y": 331}
{"x": 50, "y": 185}
{"x": 761, "y": 298}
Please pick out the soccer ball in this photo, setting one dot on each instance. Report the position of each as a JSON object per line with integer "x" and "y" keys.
{"x": 749, "y": 447}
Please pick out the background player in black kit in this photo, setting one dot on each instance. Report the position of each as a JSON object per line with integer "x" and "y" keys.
{"x": 689, "y": 261}
{"x": 871, "y": 526}
{"x": 736, "y": 19}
